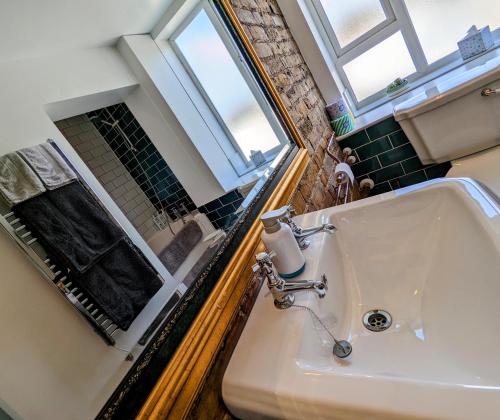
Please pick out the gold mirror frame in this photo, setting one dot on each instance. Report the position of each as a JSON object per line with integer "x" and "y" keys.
{"x": 184, "y": 376}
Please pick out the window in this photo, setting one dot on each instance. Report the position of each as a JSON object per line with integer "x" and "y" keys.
{"x": 228, "y": 88}
{"x": 374, "y": 42}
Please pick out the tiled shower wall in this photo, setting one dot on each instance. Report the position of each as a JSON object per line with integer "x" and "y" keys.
{"x": 162, "y": 188}
{"x": 107, "y": 168}
{"x": 385, "y": 155}
{"x": 160, "y": 185}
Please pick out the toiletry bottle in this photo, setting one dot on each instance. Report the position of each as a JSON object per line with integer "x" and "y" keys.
{"x": 278, "y": 237}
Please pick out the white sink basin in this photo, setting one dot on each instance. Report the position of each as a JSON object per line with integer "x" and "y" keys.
{"x": 427, "y": 254}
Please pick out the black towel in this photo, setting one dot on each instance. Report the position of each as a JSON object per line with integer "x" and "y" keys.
{"x": 71, "y": 225}
{"x": 176, "y": 252}
{"x": 121, "y": 283}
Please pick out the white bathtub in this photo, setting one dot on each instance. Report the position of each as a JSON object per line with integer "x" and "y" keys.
{"x": 161, "y": 239}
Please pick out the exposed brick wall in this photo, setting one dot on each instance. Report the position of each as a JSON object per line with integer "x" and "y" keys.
{"x": 264, "y": 24}
{"x": 107, "y": 168}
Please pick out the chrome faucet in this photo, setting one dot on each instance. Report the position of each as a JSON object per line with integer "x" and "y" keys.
{"x": 282, "y": 290}
{"x": 302, "y": 234}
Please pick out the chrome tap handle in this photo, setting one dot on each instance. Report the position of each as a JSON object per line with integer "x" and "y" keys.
{"x": 325, "y": 227}
{"x": 489, "y": 92}
{"x": 266, "y": 268}
{"x": 289, "y": 211}
{"x": 320, "y": 287}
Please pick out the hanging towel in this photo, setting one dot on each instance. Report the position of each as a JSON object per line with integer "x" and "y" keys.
{"x": 121, "y": 283}
{"x": 48, "y": 165}
{"x": 17, "y": 181}
{"x": 71, "y": 225}
{"x": 176, "y": 252}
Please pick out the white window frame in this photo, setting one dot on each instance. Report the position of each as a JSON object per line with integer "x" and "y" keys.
{"x": 398, "y": 20}
{"x": 229, "y": 145}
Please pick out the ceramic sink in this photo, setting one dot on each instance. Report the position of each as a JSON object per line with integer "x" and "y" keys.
{"x": 428, "y": 255}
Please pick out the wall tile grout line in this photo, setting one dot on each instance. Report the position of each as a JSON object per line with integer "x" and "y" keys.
{"x": 389, "y": 154}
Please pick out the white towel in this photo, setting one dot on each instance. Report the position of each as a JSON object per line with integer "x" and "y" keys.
{"x": 18, "y": 182}
{"x": 48, "y": 165}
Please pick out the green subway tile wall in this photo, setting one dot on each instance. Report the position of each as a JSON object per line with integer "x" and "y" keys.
{"x": 384, "y": 154}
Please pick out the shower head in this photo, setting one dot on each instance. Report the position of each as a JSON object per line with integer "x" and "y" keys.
{"x": 113, "y": 124}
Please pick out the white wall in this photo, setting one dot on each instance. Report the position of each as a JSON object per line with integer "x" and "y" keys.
{"x": 52, "y": 364}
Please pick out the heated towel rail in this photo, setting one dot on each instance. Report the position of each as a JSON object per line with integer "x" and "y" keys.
{"x": 31, "y": 247}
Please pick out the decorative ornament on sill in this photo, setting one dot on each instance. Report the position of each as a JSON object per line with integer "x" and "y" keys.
{"x": 257, "y": 157}
{"x": 399, "y": 85}
{"x": 341, "y": 118}
{"x": 475, "y": 42}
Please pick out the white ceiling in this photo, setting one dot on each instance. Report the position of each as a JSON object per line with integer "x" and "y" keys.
{"x": 30, "y": 28}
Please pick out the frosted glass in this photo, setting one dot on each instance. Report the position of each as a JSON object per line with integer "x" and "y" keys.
{"x": 351, "y": 19}
{"x": 228, "y": 91}
{"x": 441, "y": 23}
{"x": 376, "y": 68}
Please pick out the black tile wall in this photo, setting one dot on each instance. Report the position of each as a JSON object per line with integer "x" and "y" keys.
{"x": 146, "y": 165}
{"x": 384, "y": 154}
{"x": 221, "y": 211}
{"x": 160, "y": 185}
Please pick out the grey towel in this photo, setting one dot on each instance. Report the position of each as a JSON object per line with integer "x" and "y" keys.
{"x": 200, "y": 265}
{"x": 48, "y": 165}
{"x": 17, "y": 180}
{"x": 176, "y": 252}
{"x": 121, "y": 283}
{"x": 71, "y": 225}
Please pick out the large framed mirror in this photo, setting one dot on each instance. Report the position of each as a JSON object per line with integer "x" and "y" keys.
{"x": 219, "y": 71}
{"x": 181, "y": 138}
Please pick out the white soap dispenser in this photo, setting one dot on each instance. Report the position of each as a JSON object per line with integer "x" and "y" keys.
{"x": 278, "y": 237}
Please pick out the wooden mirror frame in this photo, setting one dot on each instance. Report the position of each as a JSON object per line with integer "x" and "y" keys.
{"x": 182, "y": 378}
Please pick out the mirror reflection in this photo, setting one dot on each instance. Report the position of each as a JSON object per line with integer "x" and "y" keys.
{"x": 180, "y": 219}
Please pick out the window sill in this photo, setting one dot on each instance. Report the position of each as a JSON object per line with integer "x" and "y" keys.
{"x": 369, "y": 116}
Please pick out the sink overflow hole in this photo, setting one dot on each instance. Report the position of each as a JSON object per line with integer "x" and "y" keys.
{"x": 377, "y": 320}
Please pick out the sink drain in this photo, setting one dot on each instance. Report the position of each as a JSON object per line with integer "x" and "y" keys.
{"x": 377, "y": 320}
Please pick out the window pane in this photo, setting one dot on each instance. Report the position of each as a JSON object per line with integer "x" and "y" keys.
{"x": 376, "y": 68}
{"x": 457, "y": 16}
{"x": 351, "y": 19}
{"x": 228, "y": 91}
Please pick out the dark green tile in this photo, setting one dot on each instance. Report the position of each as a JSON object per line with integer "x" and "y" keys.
{"x": 438, "y": 171}
{"x": 373, "y": 148}
{"x": 387, "y": 173}
{"x": 412, "y": 165}
{"x": 382, "y": 128}
{"x": 398, "y": 138}
{"x": 380, "y": 189}
{"x": 396, "y": 155}
{"x": 355, "y": 140}
{"x": 365, "y": 167}
{"x": 413, "y": 178}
